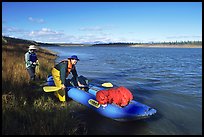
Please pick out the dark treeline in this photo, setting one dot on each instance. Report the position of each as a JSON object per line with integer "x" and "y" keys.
{"x": 151, "y": 43}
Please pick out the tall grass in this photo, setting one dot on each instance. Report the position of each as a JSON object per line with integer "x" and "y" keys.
{"x": 27, "y": 110}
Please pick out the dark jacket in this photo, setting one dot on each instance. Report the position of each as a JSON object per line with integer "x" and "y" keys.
{"x": 63, "y": 68}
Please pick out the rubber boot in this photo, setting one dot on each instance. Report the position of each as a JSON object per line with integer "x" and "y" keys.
{"x": 56, "y": 94}
{"x": 61, "y": 95}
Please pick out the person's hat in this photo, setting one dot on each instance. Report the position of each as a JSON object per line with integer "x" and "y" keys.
{"x": 32, "y": 47}
{"x": 73, "y": 57}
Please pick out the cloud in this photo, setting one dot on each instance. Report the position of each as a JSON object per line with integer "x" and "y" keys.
{"x": 9, "y": 31}
{"x": 92, "y": 38}
{"x": 45, "y": 32}
{"x": 91, "y": 34}
{"x": 50, "y": 36}
{"x": 35, "y": 20}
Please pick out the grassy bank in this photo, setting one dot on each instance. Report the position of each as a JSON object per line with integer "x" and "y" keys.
{"x": 28, "y": 110}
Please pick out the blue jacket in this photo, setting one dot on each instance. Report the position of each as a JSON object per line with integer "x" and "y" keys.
{"x": 30, "y": 58}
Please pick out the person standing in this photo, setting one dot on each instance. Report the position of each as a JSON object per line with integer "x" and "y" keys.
{"x": 31, "y": 61}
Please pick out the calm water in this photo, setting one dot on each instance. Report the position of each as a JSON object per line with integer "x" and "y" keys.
{"x": 167, "y": 79}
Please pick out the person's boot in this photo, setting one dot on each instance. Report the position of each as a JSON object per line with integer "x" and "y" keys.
{"x": 61, "y": 95}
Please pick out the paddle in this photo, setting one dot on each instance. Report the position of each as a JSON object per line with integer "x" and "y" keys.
{"x": 108, "y": 85}
{"x": 54, "y": 88}
{"x": 51, "y": 88}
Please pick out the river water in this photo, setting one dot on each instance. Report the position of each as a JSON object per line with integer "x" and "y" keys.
{"x": 167, "y": 79}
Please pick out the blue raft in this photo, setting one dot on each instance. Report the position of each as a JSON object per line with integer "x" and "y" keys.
{"x": 133, "y": 111}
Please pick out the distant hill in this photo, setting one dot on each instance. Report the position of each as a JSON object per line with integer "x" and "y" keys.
{"x": 9, "y": 40}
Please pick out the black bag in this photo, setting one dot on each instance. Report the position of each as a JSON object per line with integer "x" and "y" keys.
{"x": 72, "y": 82}
{"x": 83, "y": 80}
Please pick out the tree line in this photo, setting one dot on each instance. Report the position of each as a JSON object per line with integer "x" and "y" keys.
{"x": 151, "y": 43}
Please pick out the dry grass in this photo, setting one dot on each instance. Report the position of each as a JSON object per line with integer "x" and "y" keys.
{"x": 14, "y": 73}
{"x": 27, "y": 110}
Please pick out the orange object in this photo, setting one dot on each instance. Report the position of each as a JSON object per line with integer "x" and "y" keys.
{"x": 102, "y": 97}
{"x": 69, "y": 67}
{"x": 120, "y": 96}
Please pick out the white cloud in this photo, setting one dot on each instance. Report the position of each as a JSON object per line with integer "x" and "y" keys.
{"x": 91, "y": 38}
{"x": 35, "y": 20}
{"x": 50, "y": 36}
{"x": 45, "y": 32}
{"x": 12, "y": 30}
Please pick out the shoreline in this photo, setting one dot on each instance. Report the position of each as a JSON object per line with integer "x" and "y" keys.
{"x": 49, "y": 51}
{"x": 166, "y": 46}
{"x": 133, "y": 45}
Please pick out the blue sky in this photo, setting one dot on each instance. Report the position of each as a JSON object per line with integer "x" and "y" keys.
{"x": 88, "y": 22}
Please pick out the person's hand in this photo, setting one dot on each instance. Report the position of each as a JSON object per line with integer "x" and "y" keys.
{"x": 104, "y": 105}
{"x": 37, "y": 63}
{"x": 34, "y": 63}
{"x": 63, "y": 86}
{"x": 80, "y": 85}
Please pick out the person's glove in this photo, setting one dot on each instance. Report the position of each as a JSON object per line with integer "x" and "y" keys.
{"x": 34, "y": 63}
{"x": 37, "y": 63}
{"x": 80, "y": 85}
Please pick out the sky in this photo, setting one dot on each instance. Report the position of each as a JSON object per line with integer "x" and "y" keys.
{"x": 102, "y": 22}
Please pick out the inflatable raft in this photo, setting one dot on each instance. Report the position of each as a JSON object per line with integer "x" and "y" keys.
{"x": 133, "y": 111}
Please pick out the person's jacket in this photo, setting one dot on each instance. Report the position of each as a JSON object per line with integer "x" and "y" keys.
{"x": 65, "y": 68}
{"x": 30, "y": 58}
